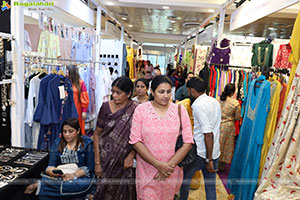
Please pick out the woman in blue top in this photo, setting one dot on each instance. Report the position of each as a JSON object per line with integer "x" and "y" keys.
{"x": 71, "y": 148}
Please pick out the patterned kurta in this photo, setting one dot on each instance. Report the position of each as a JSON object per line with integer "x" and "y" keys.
{"x": 231, "y": 111}
{"x": 159, "y": 136}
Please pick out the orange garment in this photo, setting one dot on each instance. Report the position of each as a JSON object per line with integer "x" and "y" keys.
{"x": 282, "y": 96}
{"x": 82, "y": 105}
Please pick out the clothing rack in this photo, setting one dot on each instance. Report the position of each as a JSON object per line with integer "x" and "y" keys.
{"x": 62, "y": 59}
{"x": 227, "y": 65}
{"x": 7, "y": 36}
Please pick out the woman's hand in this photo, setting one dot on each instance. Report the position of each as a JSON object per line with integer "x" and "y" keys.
{"x": 160, "y": 177}
{"x": 67, "y": 177}
{"x": 128, "y": 162}
{"x": 98, "y": 170}
{"x": 165, "y": 168}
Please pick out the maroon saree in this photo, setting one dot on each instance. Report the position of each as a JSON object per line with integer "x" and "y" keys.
{"x": 116, "y": 182}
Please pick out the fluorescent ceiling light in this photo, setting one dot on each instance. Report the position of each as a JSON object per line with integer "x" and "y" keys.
{"x": 211, "y": 10}
{"x": 173, "y": 22}
{"x": 166, "y": 7}
{"x": 124, "y": 18}
{"x": 130, "y": 25}
{"x": 109, "y": 3}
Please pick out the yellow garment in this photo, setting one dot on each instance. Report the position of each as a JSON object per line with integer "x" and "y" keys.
{"x": 271, "y": 121}
{"x": 130, "y": 61}
{"x": 295, "y": 54}
{"x": 186, "y": 103}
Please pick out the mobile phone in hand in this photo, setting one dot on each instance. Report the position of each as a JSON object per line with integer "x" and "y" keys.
{"x": 57, "y": 171}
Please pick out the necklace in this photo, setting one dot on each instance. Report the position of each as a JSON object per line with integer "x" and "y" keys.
{"x": 259, "y": 56}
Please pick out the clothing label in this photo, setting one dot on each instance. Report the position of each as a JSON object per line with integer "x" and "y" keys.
{"x": 62, "y": 93}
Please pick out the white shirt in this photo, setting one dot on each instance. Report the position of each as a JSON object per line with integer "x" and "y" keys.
{"x": 207, "y": 119}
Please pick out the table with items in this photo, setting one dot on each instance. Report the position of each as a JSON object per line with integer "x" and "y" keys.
{"x": 19, "y": 167}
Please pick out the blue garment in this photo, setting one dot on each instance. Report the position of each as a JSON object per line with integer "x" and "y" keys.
{"x": 79, "y": 51}
{"x": 124, "y": 60}
{"x": 209, "y": 179}
{"x": 42, "y": 97}
{"x": 84, "y": 73}
{"x": 244, "y": 171}
{"x": 57, "y": 188}
{"x": 54, "y": 112}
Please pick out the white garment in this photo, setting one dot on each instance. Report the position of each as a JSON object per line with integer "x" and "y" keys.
{"x": 241, "y": 56}
{"x": 100, "y": 88}
{"x": 34, "y": 87}
{"x": 27, "y": 42}
{"x": 207, "y": 119}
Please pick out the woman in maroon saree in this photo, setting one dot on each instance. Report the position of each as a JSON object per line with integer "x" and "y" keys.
{"x": 113, "y": 154}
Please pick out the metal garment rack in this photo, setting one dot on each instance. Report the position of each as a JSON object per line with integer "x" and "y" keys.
{"x": 62, "y": 59}
{"x": 230, "y": 66}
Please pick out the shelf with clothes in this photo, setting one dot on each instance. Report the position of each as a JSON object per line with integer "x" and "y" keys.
{"x": 40, "y": 129}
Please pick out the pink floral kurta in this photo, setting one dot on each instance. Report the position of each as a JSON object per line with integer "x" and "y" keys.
{"x": 159, "y": 136}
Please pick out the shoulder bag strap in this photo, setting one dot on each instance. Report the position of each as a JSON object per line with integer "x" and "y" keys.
{"x": 179, "y": 114}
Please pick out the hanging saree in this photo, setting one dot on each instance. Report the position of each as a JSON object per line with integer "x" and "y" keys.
{"x": 280, "y": 177}
{"x": 243, "y": 175}
{"x": 116, "y": 182}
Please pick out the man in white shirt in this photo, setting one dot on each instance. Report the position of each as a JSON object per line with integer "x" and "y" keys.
{"x": 207, "y": 120}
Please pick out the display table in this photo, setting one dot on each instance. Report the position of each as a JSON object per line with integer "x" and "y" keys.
{"x": 19, "y": 167}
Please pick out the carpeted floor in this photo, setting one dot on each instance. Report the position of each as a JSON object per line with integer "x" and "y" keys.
{"x": 199, "y": 194}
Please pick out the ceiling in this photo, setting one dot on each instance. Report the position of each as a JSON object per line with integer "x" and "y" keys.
{"x": 150, "y": 21}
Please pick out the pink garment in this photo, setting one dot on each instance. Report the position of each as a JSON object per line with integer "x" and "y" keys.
{"x": 159, "y": 136}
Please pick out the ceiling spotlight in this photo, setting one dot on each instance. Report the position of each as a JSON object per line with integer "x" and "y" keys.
{"x": 124, "y": 18}
{"x": 251, "y": 34}
{"x": 109, "y": 3}
{"x": 170, "y": 29}
{"x": 173, "y": 22}
{"x": 166, "y": 7}
{"x": 211, "y": 10}
{"x": 130, "y": 25}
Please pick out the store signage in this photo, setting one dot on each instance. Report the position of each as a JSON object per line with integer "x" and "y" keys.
{"x": 256, "y": 9}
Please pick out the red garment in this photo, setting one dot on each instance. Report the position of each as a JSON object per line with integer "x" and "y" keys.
{"x": 282, "y": 96}
{"x": 237, "y": 127}
{"x": 210, "y": 80}
{"x": 82, "y": 105}
{"x": 282, "y": 58}
{"x": 214, "y": 81}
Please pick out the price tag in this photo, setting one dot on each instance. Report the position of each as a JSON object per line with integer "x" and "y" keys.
{"x": 62, "y": 93}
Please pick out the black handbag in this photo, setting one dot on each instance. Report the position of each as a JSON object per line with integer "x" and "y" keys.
{"x": 191, "y": 155}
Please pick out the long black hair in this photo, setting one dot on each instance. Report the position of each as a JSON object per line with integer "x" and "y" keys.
{"x": 229, "y": 89}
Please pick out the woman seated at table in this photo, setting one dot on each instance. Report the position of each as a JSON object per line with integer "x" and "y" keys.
{"x": 76, "y": 150}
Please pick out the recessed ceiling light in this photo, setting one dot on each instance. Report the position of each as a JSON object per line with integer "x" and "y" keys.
{"x": 124, "y": 18}
{"x": 251, "y": 34}
{"x": 166, "y": 7}
{"x": 170, "y": 29}
{"x": 109, "y": 3}
{"x": 130, "y": 25}
{"x": 211, "y": 10}
{"x": 173, "y": 22}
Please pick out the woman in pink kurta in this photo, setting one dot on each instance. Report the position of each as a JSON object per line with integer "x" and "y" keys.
{"x": 159, "y": 134}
